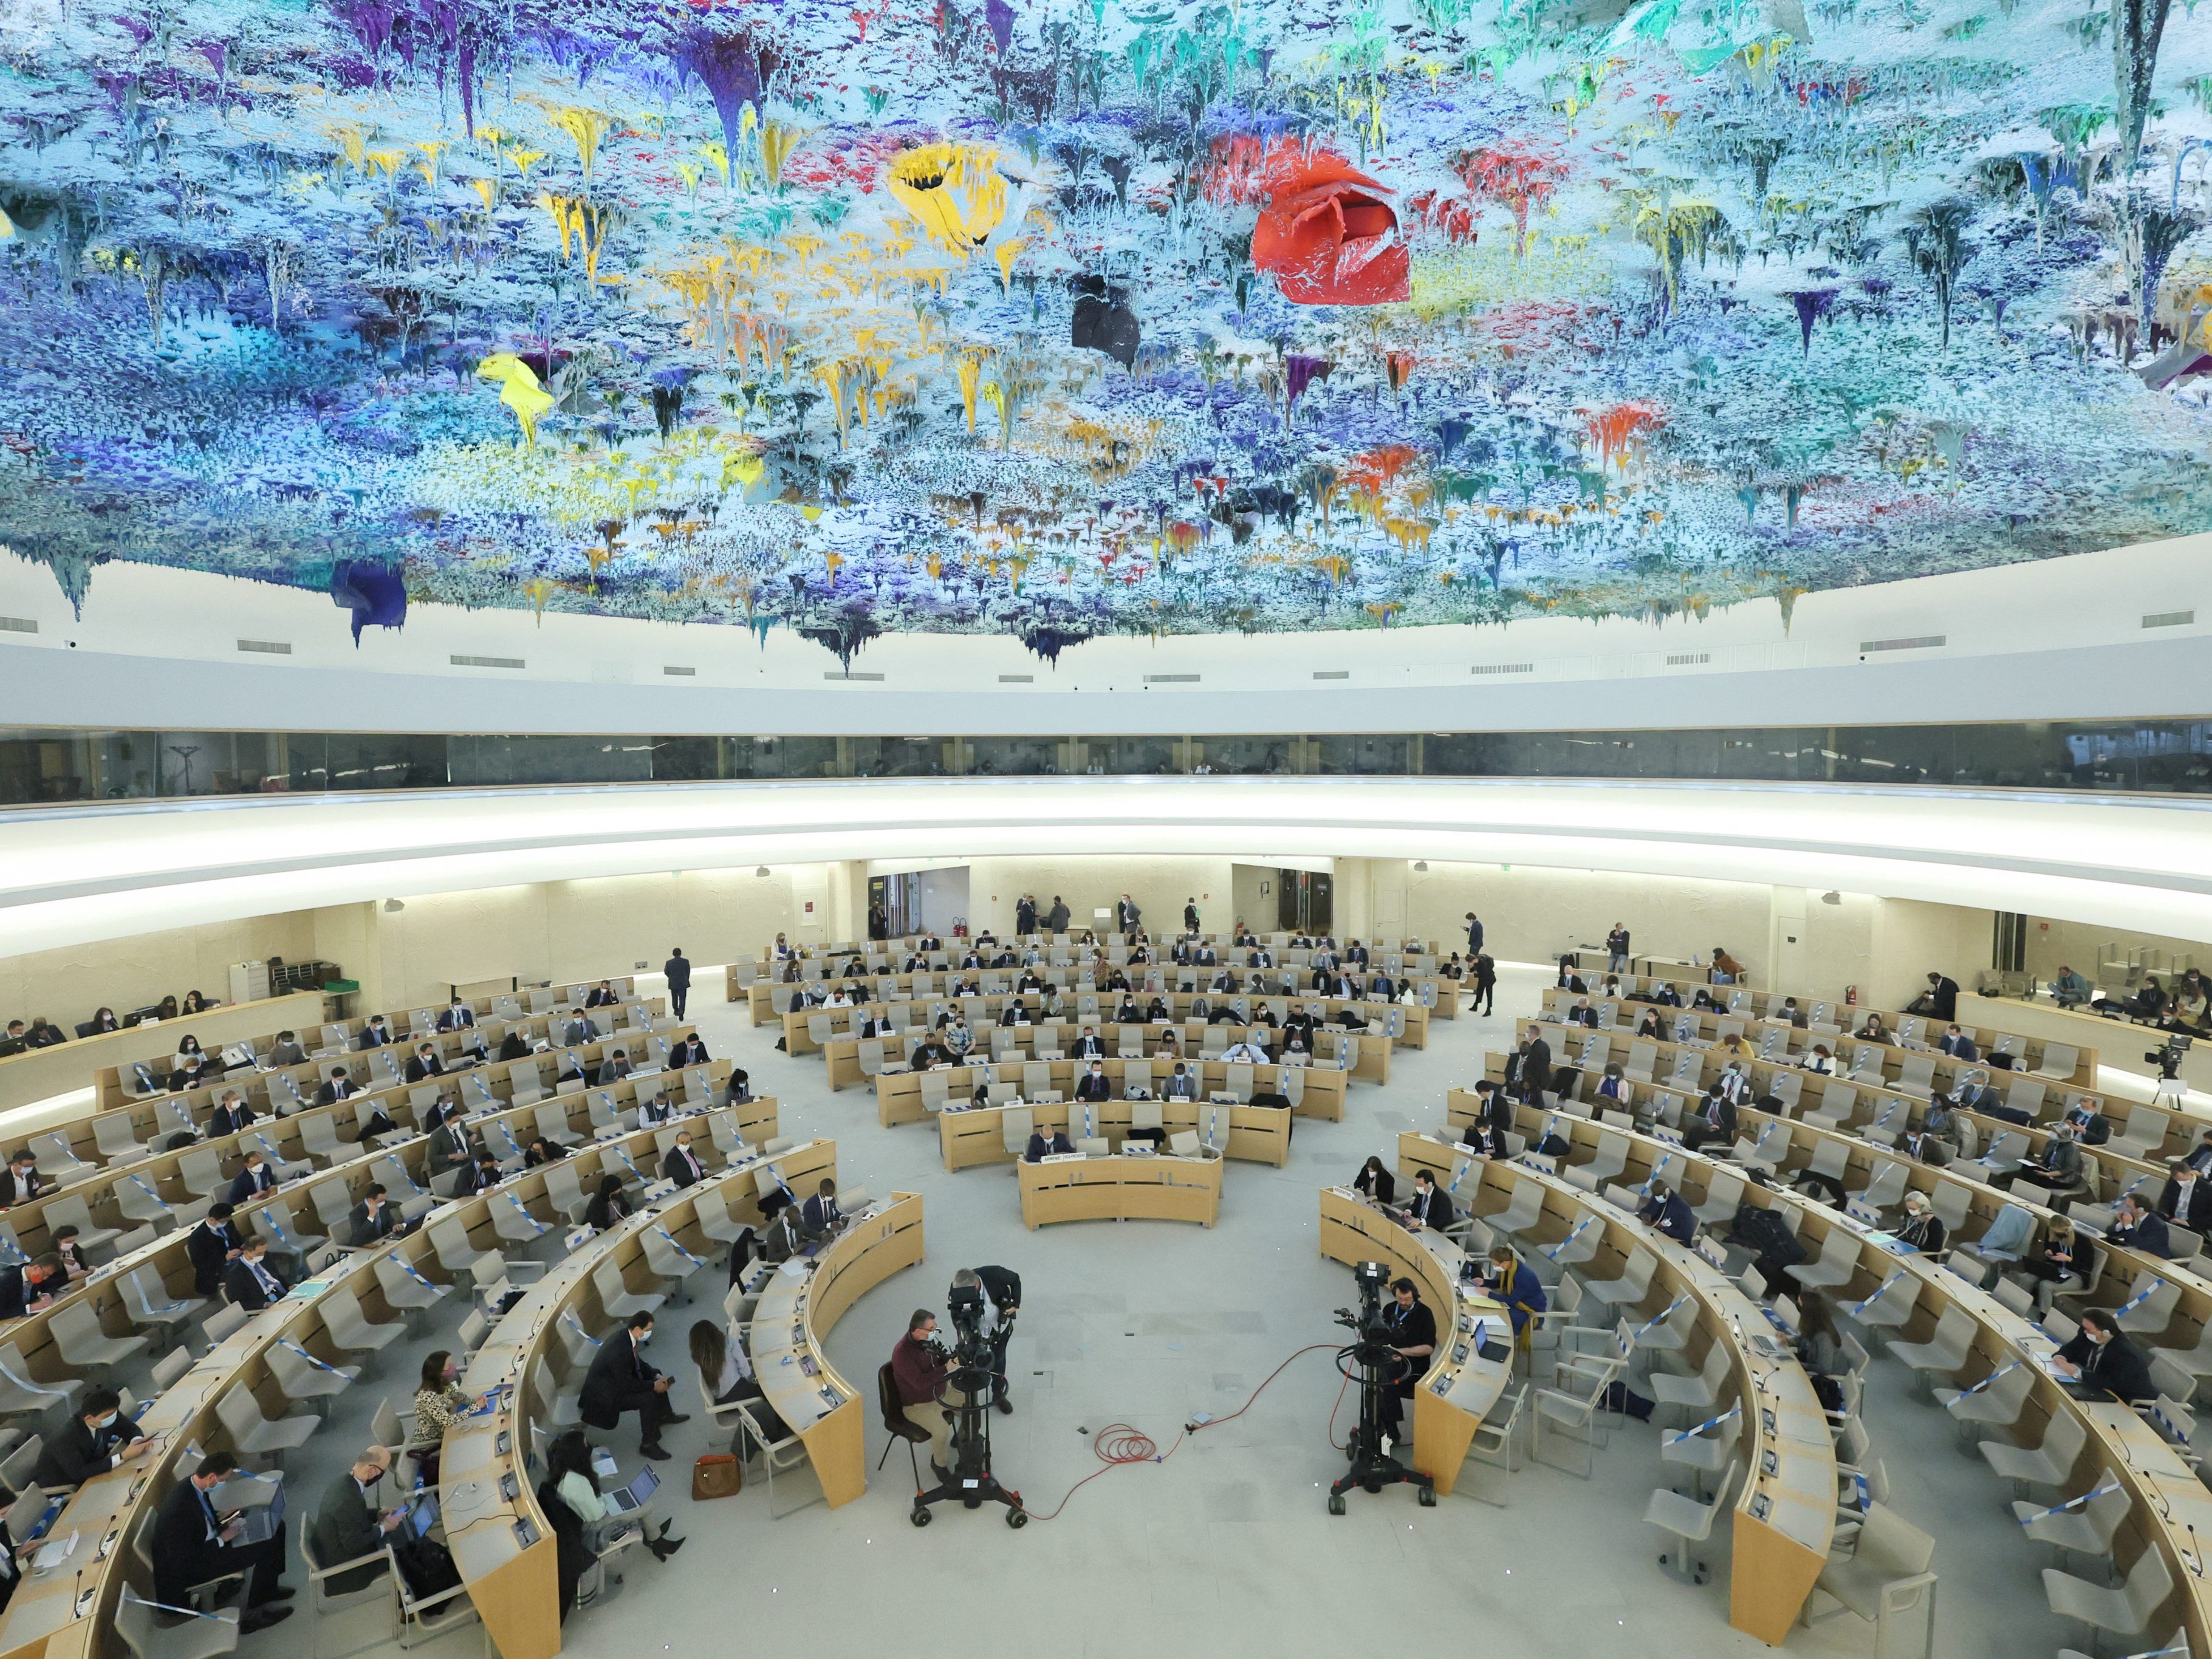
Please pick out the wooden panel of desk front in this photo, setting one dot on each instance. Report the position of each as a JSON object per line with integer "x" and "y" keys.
{"x": 1122, "y": 1190}
{"x": 1258, "y": 1135}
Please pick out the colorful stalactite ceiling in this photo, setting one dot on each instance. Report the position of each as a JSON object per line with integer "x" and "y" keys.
{"x": 1063, "y": 318}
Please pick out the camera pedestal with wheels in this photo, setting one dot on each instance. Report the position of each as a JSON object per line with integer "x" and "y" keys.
{"x": 1371, "y": 1361}
{"x": 973, "y": 1376}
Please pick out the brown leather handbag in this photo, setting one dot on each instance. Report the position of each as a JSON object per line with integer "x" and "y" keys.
{"x": 716, "y": 1475}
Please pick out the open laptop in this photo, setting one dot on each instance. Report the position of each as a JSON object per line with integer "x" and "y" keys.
{"x": 635, "y": 1495}
{"x": 259, "y": 1524}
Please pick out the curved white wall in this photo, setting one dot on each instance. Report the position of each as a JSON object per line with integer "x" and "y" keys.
{"x": 77, "y": 875}
{"x": 2053, "y": 640}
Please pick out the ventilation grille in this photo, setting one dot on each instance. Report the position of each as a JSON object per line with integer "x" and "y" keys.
{"x": 487, "y": 662}
{"x": 1925, "y": 643}
{"x": 1017, "y": 679}
{"x": 838, "y": 674}
{"x": 17, "y": 625}
{"x": 2170, "y": 619}
{"x": 266, "y": 647}
{"x": 1332, "y": 673}
{"x": 681, "y": 673}
{"x": 1171, "y": 679}
{"x": 1689, "y": 659}
{"x": 1503, "y": 668}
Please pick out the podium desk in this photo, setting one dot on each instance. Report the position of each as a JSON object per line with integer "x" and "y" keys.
{"x": 1126, "y": 1189}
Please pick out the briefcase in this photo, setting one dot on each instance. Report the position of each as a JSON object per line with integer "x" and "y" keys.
{"x": 716, "y": 1475}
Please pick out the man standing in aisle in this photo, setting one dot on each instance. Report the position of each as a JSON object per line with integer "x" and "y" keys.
{"x": 1025, "y": 917}
{"x": 679, "y": 979}
{"x": 1485, "y": 987}
{"x": 1056, "y": 922}
{"x": 1616, "y": 949}
{"x": 1126, "y": 917}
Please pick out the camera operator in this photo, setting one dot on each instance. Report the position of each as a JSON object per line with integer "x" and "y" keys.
{"x": 1413, "y": 1334}
{"x": 1002, "y": 1298}
{"x": 919, "y": 1363}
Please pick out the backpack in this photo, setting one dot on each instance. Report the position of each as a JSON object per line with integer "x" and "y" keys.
{"x": 1554, "y": 1146}
{"x": 1761, "y": 1232}
{"x": 427, "y": 1566}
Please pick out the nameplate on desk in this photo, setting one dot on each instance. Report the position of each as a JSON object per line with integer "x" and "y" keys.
{"x": 1062, "y": 1157}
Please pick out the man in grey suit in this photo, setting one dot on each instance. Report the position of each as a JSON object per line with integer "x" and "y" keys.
{"x": 347, "y": 1527}
{"x": 450, "y": 1156}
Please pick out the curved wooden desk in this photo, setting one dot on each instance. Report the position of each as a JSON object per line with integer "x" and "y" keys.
{"x": 37, "y": 1074}
{"x": 1159, "y": 1188}
{"x": 899, "y": 1097}
{"x": 2168, "y": 1500}
{"x": 799, "y": 1302}
{"x": 1459, "y": 1387}
{"x": 500, "y": 1538}
{"x": 976, "y": 1135}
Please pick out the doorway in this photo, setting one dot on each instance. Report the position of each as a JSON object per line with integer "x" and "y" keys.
{"x": 1305, "y": 901}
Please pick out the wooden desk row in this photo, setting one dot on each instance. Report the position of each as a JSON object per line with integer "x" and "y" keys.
{"x": 2166, "y": 1497}
{"x": 501, "y": 1541}
{"x": 765, "y": 1001}
{"x": 2120, "y": 1043}
{"x": 846, "y": 1057}
{"x": 40, "y": 1074}
{"x": 976, "y": 1135}
{"x": 125, "y": 1191}
{"x": 1862, "y": 1060}
{"x": 1883, "y": 1112}
{"x": 1681, "y": 970}
{"x": 1161, "y": 1187}
{"x": 1784, "y": 1515}
{"x": 1076, "y": 939}
{"x": 1827, "y": 1020}
{"x": 66, "y": 1613}
{"x": 1459, "y": 1387}
{"x": 114, "y": 1085}
{"x": 904, "y": 1096}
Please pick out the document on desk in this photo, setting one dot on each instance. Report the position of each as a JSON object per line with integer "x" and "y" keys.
{"x": 795, "y": 1267}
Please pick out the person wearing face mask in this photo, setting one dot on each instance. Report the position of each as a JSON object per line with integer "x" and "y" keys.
{"x": 2101, "y": 1362}
{"x": 441, "y": 1403}
{"x": 347, "y": 1526}
{"x": 2137, "y": 1226}
{"x": 195, "y": 1543}
{"x": 682, "y": 1164}
{"x": 97, "y": 1440}
{"x": 1922, "y": 1228}
{"x": 2187, "y": 1197}
{"x": 622, "y": 1379}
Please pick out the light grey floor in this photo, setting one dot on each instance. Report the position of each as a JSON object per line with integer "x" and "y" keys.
{"x": 1225, "y": 1549}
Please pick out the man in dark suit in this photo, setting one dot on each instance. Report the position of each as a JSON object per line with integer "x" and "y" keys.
{"x": 212, "y": 1246}
{"x": 1094, "y": 1085}
{"x": 230, "y": 1115}
{"x": 339, "y": 1087}
{"x": 1089, "y": 1045}
{"x": 21, "y": 1183}
{"x": 1127, "y": 915}
{"x": 98, "y": 1439}
{"x": 1670, "y": 1212}
{"x": 1942, "y": 996}
{"x": 1534, "y": 1072}
{"x": 682, "y": 1164}
{"x": 2187, "y": 1197}
{"x": 1715, "y": 1121}
{"x": 2138, "y": 1226}
{"x": 819, "y": 1217}
{"x": 27, "y": 1289}
{"x": 678, "y": 969}
{"x": 601, "y": 996}
{"x": 256, "y": 1180}
{"x": 373, "y": 1219}
{"x": 1583, "y": 1014}
{"x": 1430, "y": 1205}
{"x": 1957, "y": 1044}
{"x": 1179, "y": 1085}
{"x": 250, "y": 1282}
{"x": 424, "y": 1064}
{"x": 195, "y": 1545}
{"x": 347, "y": 1526}
{"x": 458, "y": 1016}
{"x": 1047, "y": 1143}
{"x": 2091, "y": 1127}
{"x": 374, "y": 1034}
{"x": 449, "y": 1154}
{"x": 2102, "y": 1361}
{"x": 622, "y": 1380}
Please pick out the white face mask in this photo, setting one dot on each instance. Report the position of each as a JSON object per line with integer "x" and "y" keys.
{"x": 107, "y": 1421}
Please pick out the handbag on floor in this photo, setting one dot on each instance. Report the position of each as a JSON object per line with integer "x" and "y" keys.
{"x": 716, "y": 1475}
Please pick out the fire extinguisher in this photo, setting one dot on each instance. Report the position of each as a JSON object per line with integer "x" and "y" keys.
{"x": 1850, "y": 996}
{"x": 960, "y": 927}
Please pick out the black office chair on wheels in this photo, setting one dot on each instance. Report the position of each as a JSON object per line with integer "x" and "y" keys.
{"x": 895, "y": 1420}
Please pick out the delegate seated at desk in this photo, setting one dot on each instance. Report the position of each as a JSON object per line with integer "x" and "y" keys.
{"x": 2102, "y": 1361}
{"x": 1375, "y": 1182}
{"x": 1667, "y": 1210}
{"x": 682, "y": 1164}
{"x": 33, "y": 1285}
{"x": 373, "y": 1219}
{"x": 1047, "y": 1143}
{"x": 194, "y": 1544}
{"x": 1431, "y": 1206}
{"x": 250, "y": 1282}
{"x": 819, "y": 1217}
{"x": 347, "y": 1526}
{"x": 1094, "y": 1085}
{"x": 98, "y": 1439}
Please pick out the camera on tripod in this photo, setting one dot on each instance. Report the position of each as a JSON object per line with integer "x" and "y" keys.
{"x": 1372, "y": 1360}
{"x": 970, "y": 1380}
{"x": 1369, "y": 1324}
{"x": 2168, "y": 1058}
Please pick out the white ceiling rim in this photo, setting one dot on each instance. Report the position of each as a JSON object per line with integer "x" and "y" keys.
{"x": 75, "y": 878}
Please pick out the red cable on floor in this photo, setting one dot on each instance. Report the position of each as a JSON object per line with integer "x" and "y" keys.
{"x": 1119, "y": 1444}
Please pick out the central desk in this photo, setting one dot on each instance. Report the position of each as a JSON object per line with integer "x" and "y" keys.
{"x": 800, "y": 1302}
{"x": 976, "y": 1135}
{"x": 1157, "y": 1188}
{"x": 1459, "y": 1387}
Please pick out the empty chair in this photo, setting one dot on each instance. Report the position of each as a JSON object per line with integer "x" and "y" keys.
{"x": 2124, "y": 1611}
{"x": 1836, "y": 1264}
{"x": 136, "y": 1198}
{"x": 1015, "y": 1125}
{"x": 404, "y": 1287}
{"x": 252, "y": 1432}
{"x": 552, "y": 1121}
{"x": 1524, "y": 1213}
{"x": 564, "y": 1190}
{"x": 76, "y": 1332}
{"x": 198, "y": 1638}
{"x": 2059, "y": 1061}
{"x": 1631, "y": 1286}
{"x": 1691, "y": 1522}
{"x": 1697, "y": 1393}
{"x": 151, "y": 1304}
{"x": 1890, "y": 1306}
{"x": 2051, "y": 1464}
{"x": 350, "y": 1328}
{"x": 2084, "y": 1531}
{"x": 304, "y": 1379}
{"x": 1608, "y": 1163}
{"x": 450, "y": 1240}
{"x": 1945, "y": 1350}
{"x": 617, "y": 1299}
{"x": 1723, "y": 1197}
{"x": 1885, "y": 1577}
{"x": 1994, "y": 1402}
